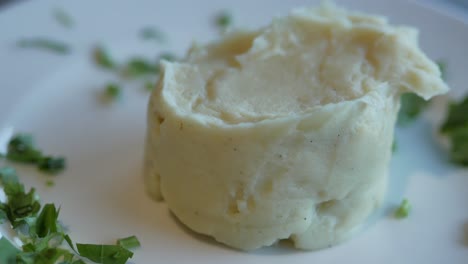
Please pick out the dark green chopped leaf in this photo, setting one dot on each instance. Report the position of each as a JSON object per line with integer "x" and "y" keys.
{"x": 411, "y": 106}
{"x": 149, "y": 86}
{"x": 7, "y": 251}
{"x": 102, "y": 58}
{"x": 152, "y": 33}
{"x": 21, "y": 148}
{"x": 459, "y": 152}
{"x": 129, "y": 242}
{"x": 112, "y": 91}
{"x": 46, "y": 222}
{"x": 21, "y": 205}
{"x": 443, "y": 69}
{"x": 455, "y": 128}
{"x": 50, "y": 183}
{"x": 63, "y": 18}
{"x": 403, "y": 210}
{"x": 137, "y": 67}
{"x": 105, "y": 254}
{"x": 51, "y": 164}
{"x": 223, "y": 20}
{"x": 457, "y": 116}
{"x": 45, "y": 44}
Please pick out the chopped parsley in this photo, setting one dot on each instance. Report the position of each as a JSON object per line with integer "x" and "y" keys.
{"x": 411, "y": 107}
{"x": 21, "y": 148}
{"x": 102, "y": 58}
{"x": 51, "y": 164}
{"x": 43, "y": 236}
{"x": 152, "y": 33}
{"x": 149, "y": 86}
{"x": 455, "y": 128}
{"x": 129, "y": 242}
{"x": 223, "y": 20}
{"x": 403, "y": 210}
{"x": 63, "y": 18}
{"x": 138, "y": 67}
{"x": 44, "y": 44}
{"x": 113, "y": 91}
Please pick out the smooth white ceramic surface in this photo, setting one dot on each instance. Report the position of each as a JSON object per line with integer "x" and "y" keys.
{"x": 101, "y": 193}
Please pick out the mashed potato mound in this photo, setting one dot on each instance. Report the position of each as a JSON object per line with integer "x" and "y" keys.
{"x": 284, "y": 132}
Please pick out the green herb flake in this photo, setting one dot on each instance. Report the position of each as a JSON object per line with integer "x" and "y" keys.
{"x": 112, "y": 91}
{"x": 51, "y": 164}
{"x": 44, "y": 44}
{"x": 411, "y": 107}
{"x": 129, "y": 242}
{"x": 138, "y": 67}
{"x": 149, "y": 86}
{"x": 106, "y": 254}
{"x": 102, "y": 58}
{"x": 152, "y": 33}
{"x": 21, "y": 148}
{"x": 455, "y": 128}
{"x": 63, "y": 18}
{"x": 50, "y": 183}
{"x": 223, "y": 20}
{"x": 403, "y": 210}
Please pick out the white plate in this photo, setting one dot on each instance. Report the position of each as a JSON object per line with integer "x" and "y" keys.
{"x": 101, "y": 193}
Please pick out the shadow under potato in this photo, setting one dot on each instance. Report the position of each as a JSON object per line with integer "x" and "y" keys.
{"x": 282, "y": 247}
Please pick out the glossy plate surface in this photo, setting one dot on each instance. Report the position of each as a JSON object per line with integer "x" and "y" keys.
{"x": 101, "y": 194}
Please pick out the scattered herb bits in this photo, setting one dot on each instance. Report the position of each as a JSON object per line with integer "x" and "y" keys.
{"x": 51, "y": 164}
{"x": 21, "y": 148}
{"x": 43, "y": 236}
{"x": 102, "y": 58}
{"x": 149, "y": 86}
{"x": 63, "y": 18}
{"x": 411, "y": 107}
{"x": 129, "y": 242}
{"x": 403, "y": 210}
{"x": 138, "y": 67}
{"x": 44, "y": 44}
{"x": 455, "y": 128}
{"x": 223, "y": 20}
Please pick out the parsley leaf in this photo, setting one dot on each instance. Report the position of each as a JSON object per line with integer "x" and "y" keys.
{"x": 129, "y": 242}
{"x": 44, "y": 44}
{"x": 51, "y": 164}
{"x": 103, "y": 59}
{"x": 139, "y": 67}
{"x": 456, "y": 128}
{"x": 105, "y": 254}
{"x": 411, "y": 107}
{"x": 21, "y": 148}
{"x": 223, "y": 20}
{"x": 403, "y": 210}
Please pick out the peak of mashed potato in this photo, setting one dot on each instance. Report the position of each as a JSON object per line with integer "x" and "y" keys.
{"x": 284, "y": 132}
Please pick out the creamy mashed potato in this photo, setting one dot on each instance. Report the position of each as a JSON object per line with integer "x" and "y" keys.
{"x": 284, "y": 132}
